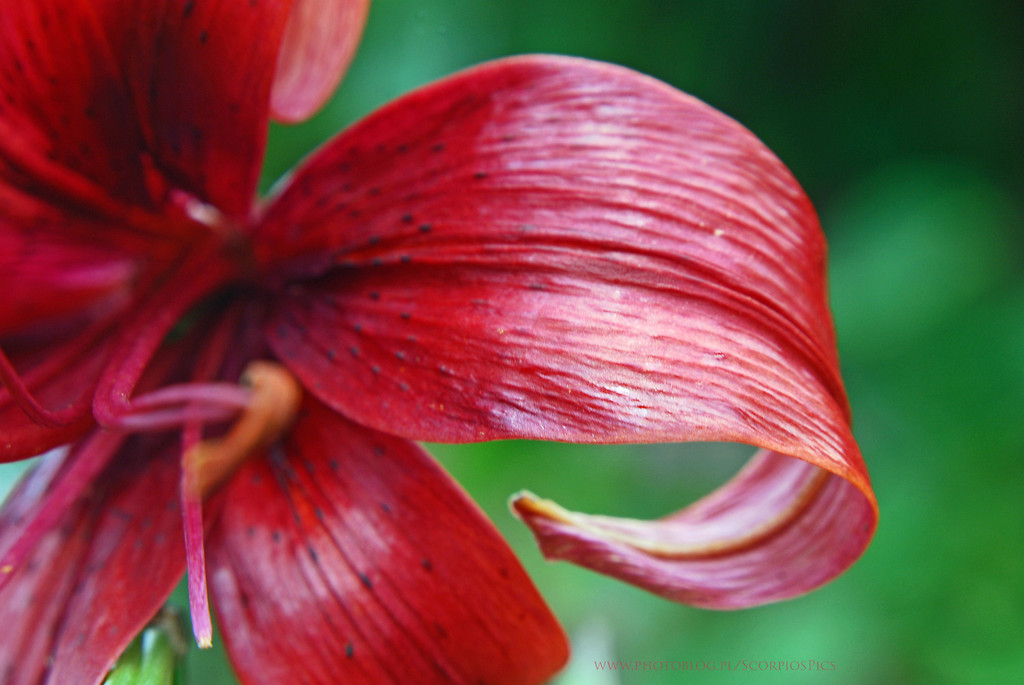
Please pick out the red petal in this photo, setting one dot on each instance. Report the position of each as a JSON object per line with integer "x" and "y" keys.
{"x": 66, "y": 122}
{"x": 352, "y": 557}
{"x": 61, "y": 376}
{"x": 95, "y": 580}
{"x": 553, "y": 248}
{"x": 780, "y": 528}
{"x": 201, "y": 74}
{"x": 47, "y": 274}
{"x": 102, "y": 95}
{"x": 319, "y": 42}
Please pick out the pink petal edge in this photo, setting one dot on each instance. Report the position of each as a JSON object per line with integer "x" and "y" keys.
{"x": 319, "y": 42}
{"x": 780, "y": 528}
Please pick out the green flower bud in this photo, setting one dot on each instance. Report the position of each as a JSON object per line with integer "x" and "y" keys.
{"x": 155, "y": 656}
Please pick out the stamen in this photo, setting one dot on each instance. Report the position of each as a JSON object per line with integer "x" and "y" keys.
{"x": 195, "y": 550}
{"x": 203, "y": 402}
{"x": 139, "y": 341}
{"x": 276, "y": 397}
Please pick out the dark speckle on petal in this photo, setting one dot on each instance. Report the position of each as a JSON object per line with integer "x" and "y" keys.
{"x": 365, "y": 580}
{"x": 350, "y": 650}
{"x": 203, "y": 36}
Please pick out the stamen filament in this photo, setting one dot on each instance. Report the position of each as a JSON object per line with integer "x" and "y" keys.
{"x": 273, "y": 400}
{"x": 195, "y": 550}
{"x": 203, "y": 402}
{"x": 276, "y": 397}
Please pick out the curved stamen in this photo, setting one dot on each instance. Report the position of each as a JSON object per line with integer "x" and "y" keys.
{"x": 274, "y": 397}
{"x": 173, "y": 405}
{"x": 274, "y": 404}
{"x": 140, "y": 341}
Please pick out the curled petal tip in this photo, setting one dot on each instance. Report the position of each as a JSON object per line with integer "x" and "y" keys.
{"x": 780, "y": 528}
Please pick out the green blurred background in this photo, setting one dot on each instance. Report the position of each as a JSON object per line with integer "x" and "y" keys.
{"x": 903, "y": 121}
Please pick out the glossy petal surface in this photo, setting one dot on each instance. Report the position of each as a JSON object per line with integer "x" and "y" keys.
{"x": 781, "y": 528}
{"x": 350, "y": 556}
{"x": 552, "y": 248}
{"x": 114, "y": 99}
{"x": 54, "y": 267}
{"x": 319, "y": 42}
{"x": 96, "y": 578}
{"x": 547, "y": 247}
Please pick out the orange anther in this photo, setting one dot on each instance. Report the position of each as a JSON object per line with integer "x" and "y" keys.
{"x": 276, "y": 397}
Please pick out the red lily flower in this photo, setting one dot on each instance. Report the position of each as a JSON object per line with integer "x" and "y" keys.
{"x": 540, "y": 247}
